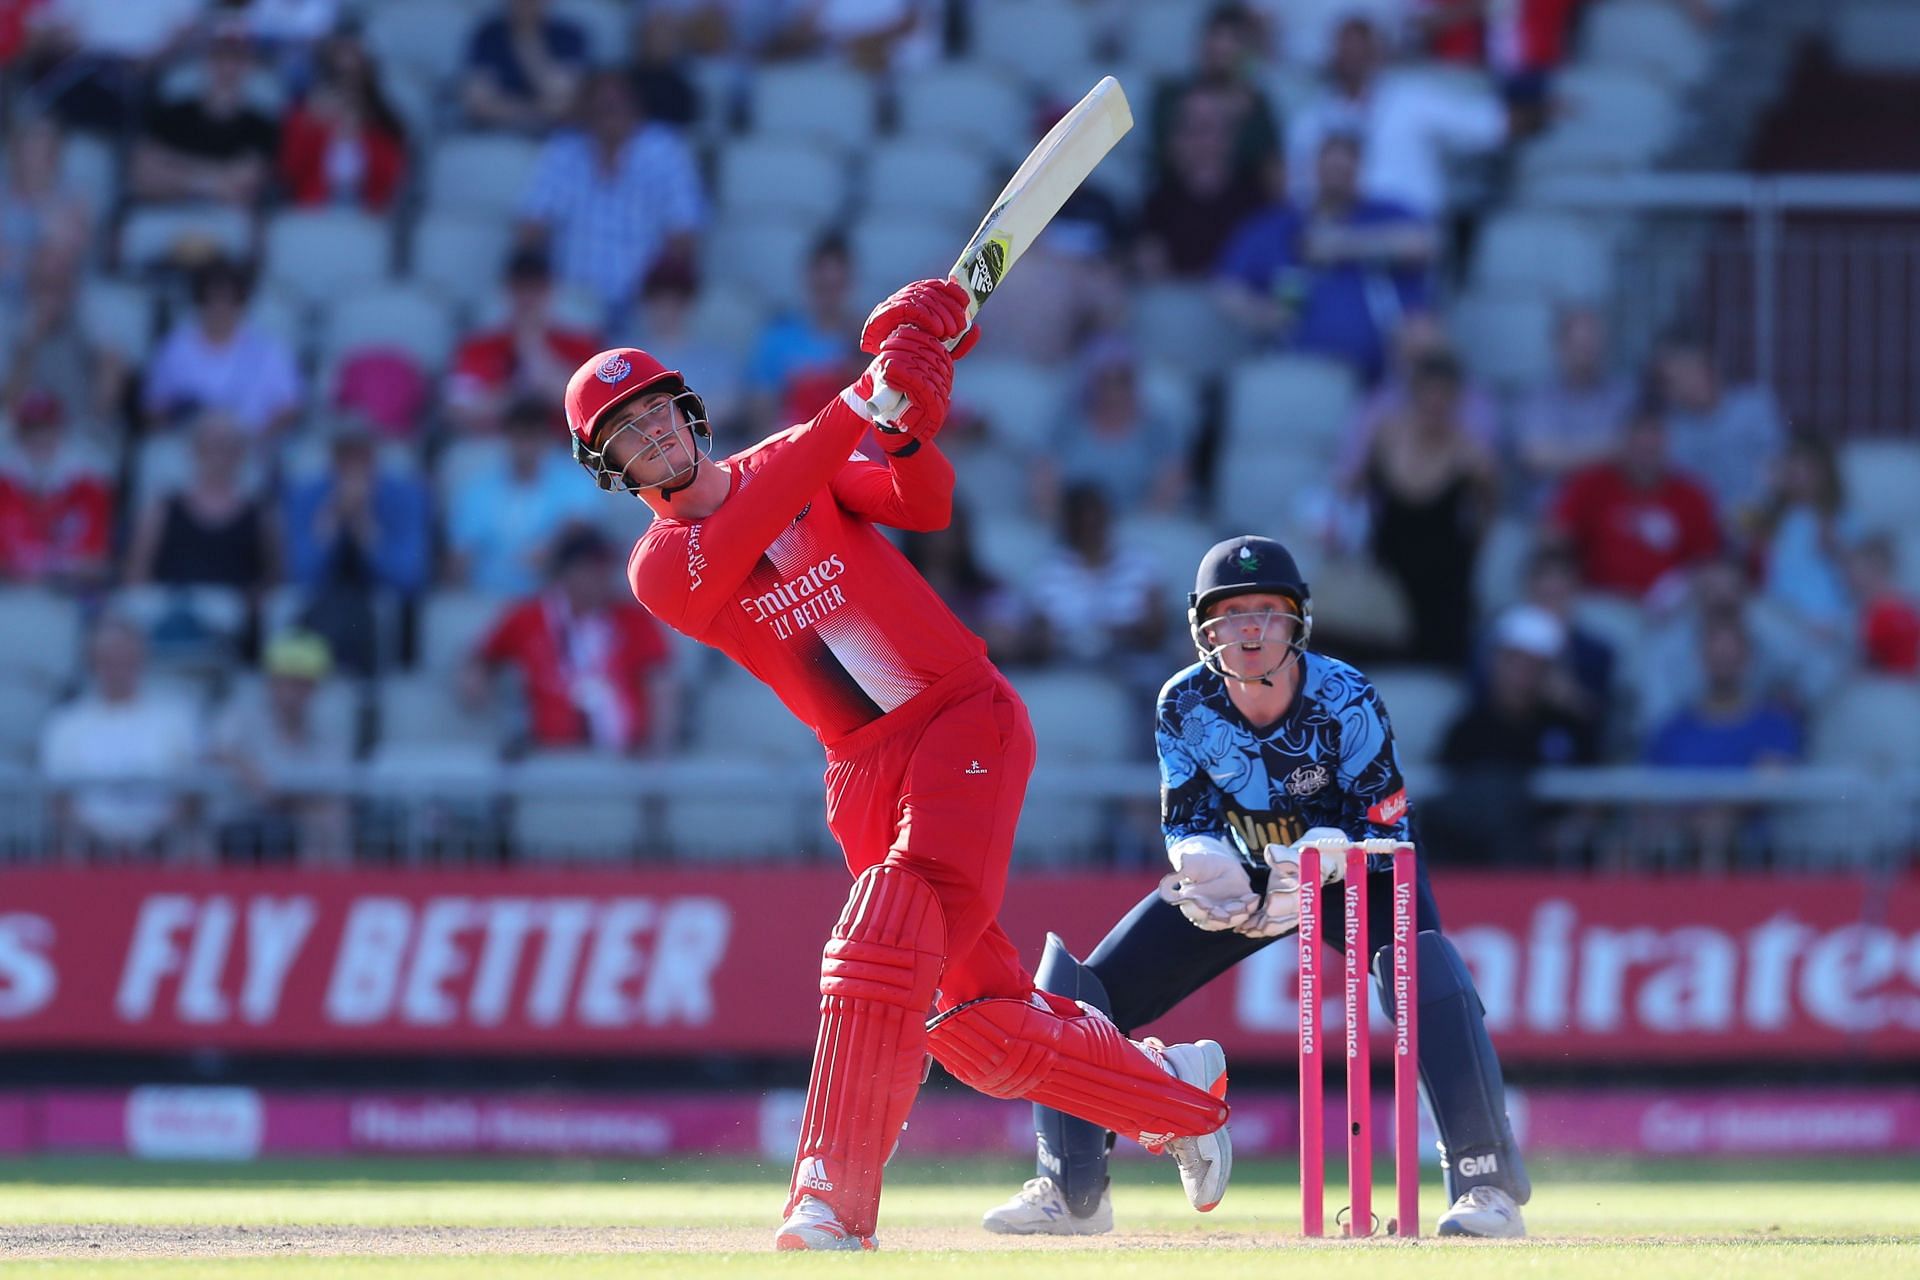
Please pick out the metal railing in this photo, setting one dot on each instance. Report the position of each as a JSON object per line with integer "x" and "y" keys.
{"x": 615, "y": 810}
{"x": 1809, "y": 284}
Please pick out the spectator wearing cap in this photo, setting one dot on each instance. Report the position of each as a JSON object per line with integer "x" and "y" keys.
{"x": 1108, "y": 442}
{"x": 213, "y": 530}
{"x": 356, "y": 534}
{"x": 56, "y": 501}
{"x": 594, "y": 666}
{"x": 502, "y": 521}
{"x": 1333, "y": 277}
{"x": 1527, "y": 714}
{"x": 268, "y": 736}
{"x": 219, "y": 361}
{"x": 614, "y": 196}
{"x": 531, "y": 353}
{"x": 343, "y": 144}
{"x": 523, "y": 66}
{"x": 117, "y": 754}
{"x": 801, "y": 355}
{"x": 1635, "y": 518}
{"x": 214, "y": 144}
{"x": 1432, "y": 487}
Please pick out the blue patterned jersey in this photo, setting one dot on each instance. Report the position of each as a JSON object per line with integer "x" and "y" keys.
{"x": 1328, "y": 762}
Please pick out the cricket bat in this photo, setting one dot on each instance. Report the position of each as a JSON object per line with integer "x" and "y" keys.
{"x": 1052, "y": 171}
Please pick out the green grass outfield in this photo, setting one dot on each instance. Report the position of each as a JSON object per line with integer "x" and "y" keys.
{"x": 1856, "y": 1220}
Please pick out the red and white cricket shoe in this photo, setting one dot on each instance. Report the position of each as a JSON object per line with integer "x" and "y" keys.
{"x": 812, "y": 1225}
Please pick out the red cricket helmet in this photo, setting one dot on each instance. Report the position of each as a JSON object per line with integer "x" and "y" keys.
{"x": 609, "y": 380}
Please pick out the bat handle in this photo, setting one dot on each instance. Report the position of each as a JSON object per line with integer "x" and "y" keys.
{"x": 885, "y": 405}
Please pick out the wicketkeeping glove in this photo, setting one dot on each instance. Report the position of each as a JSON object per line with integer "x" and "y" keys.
{"x": 1209, "y": 884}
{"x": 1280, "y": 910}
{"x": 937, "y": 306}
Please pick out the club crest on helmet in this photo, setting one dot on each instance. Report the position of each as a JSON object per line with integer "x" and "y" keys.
{"x": 614, "y": 368}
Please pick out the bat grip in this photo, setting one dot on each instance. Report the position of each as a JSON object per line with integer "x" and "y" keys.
{"x": 885, "y": 405}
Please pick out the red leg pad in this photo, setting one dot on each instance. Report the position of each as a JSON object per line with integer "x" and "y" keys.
{"x": 1074, "y": 1062}
{"x": 877, "y": 979}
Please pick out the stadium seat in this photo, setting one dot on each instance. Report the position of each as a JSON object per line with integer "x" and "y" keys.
{"x": 24, "y": 704}
{"x": 316, "y": 255}
{"x": 1504, "y": 338}
{"x": 480, "y": 175}
{"x": 1615, "y": 116}
{"x": 193, "y": 630}
{"x": 1079, "y": 718}
{"x": 117, "y": 317}
{"x": 1163, "y": 39}
{"x": 1421, "y": 704}
{"x": 89, "y": 166}
{"x": 452, "y": 625}
{"x": 1871, "y": 725}
{"x": 1652, "y": 35}
{"x": 1175, "y": 545}
{"x": 459, "y": 257}
{"x": 1289, "y": 404}
{"x": 945, "y": 182}
{"x": 1012, "y": 548}
{"x": 336, "y": 703}
{"x": 888, "y": 251}
{"x": 764, "y": 256}
{"x": 970, "y": 104}
{"x": 1031, "y": 37}
{"x": 1354, "y": 599}
{"x": 740, "y": 718}
{"x": 1183, "y": 325}
{"x": 727, "y": 317}
{"x": 154, "y": 234}
{"x": 402, "y": 316}
{"x": 821, "y": 101}
{"x": 1261, "y": 487}
{"x": 608, "y": 25}
{"x": 1556, "y": 255}
{"x": 575, "y": 805}
{"x": 458, "y": 464}
{"x": 781, "y": 176}
{"x": 424, "y": 711}
{"x": 428, "y": 35}
{"x": 1021, "y": 400}
{"x": 45, "y": 643}
{"x": 1500, "y": 570}
{"x": 1878, "y": 35}
{"x": 1881, "y": 478}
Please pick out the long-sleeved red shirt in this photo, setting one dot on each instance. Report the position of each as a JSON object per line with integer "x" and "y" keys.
{"x": 790, "y": 578}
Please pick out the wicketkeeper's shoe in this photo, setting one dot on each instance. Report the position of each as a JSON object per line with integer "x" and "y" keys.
{"x": 1040, "y": 1210}
{"x": 812, "y": 1225}
{"x": 1487, "y": 1212}
{"x": 1206, "y": 1161}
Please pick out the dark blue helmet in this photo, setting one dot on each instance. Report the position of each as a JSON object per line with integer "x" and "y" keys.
{"x": 1242, "y": 566}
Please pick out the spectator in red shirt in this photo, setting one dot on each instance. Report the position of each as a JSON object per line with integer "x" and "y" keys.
{"x": 343, "y": 144}
{"x": 529, "y": 354}
{"x": 55, "y": 504}
{"x": 1634, "y": 519}
{"x": 594, "y": 666}
{"x": 1889, "y": 621}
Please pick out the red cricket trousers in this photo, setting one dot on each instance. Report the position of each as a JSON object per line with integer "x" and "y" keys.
{"x": 936, "y": 787}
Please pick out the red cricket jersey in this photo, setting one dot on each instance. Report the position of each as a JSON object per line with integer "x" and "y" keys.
{"x": 791, "y": 579}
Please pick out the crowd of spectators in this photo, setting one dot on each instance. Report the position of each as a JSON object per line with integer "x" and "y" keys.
{"x": 336, "y": 493}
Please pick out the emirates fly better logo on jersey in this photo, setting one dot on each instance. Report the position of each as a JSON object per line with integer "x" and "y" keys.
{"x": 796, "y": 603}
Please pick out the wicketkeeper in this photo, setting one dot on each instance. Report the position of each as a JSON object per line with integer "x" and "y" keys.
{"x": 774, "y": 557}
{"x": 1264, "y": 745}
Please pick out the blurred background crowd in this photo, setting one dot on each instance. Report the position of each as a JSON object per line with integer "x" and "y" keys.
{"x": 1593, "y": 475}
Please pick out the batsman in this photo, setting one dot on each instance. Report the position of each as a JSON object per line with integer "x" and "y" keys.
{"x": 775, "y": 557}
{"x": 1264, "y": 745}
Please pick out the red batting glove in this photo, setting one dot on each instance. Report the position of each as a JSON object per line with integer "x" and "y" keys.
{"x": 937, "y": 306}
{"x": 919, "y": 366}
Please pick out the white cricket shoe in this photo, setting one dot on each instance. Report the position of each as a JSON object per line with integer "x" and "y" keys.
{"x": 812, "y": 1225}
{"x": 1206, "y": 1161}
{"x": 1486, "y": 1212}
{"x": 1040, "y": 1210}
